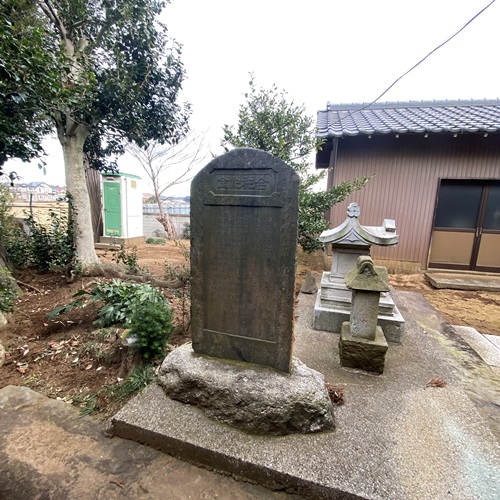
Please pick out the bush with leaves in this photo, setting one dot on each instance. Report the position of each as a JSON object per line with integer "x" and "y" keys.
{"x": 8, "y": 291}
{"x": 151, "y": 325}
{"x": 141, "y": 308}
{"x": 7, "y": 221}
{"x": 48, "y": 247}
{"x": 121, "y": 299}
{"x": 270, "y": 122}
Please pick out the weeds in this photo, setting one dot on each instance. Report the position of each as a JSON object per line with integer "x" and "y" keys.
{"x": 127, "y": 257}
{"x": 7, "y": 291}
{"x": 118, "y": 392}
{"x": 182, "y": 275}
{"x": 156, "y": 241}
{"x": 137, "y": 380}
{"x": 94, "y": 350}
{"x": 88, "y": 403}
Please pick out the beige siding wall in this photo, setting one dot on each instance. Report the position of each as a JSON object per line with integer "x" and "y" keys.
{"x": 41, "y": 211}
{"x": 406, "y": 183}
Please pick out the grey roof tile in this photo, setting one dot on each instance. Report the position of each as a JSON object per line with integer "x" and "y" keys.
{"x": 409, "y": 117}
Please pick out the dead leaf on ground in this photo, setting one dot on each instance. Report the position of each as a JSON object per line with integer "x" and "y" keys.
{"x": 22, "y": 368}
{"x": 435, "y": 382}
{"x": 336, "y": 394}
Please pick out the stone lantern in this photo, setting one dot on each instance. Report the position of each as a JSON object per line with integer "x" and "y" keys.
{"x": 362, "y": 343}
{"x": 351, "y": 240}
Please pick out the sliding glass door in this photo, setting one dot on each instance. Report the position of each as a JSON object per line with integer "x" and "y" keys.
{"x": 466, "y": 231}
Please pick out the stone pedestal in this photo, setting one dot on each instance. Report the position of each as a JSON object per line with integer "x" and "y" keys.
{"x": 333, "y": 305}
{"x": 360, "y": 353}
{"x": 256, "y": 399}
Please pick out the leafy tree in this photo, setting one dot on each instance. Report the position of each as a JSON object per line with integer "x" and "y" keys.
{"x": 270, "y": 122}
{"x": 118, "y": 81}
{"x": 27, "y": 72}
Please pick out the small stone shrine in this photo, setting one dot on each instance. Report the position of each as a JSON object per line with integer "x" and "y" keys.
{"x": 362, "y": 343}
{"x": 239, "y": 369}
{"x": 350, "y": 240}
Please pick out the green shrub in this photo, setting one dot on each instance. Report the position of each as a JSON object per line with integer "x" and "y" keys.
{"x": 151, "y": 325}
{"x": 7, "y": 221}
{"x": 141, "y": 308}
{"x": 47, "y": 247}
{"x": 121, "y": 300}
{"x": 7, "y": 291}
{"x": 18, "y": 247}
{"x": 155, "y": 241}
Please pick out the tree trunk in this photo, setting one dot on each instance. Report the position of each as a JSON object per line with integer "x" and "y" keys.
{"x": 76, "y": 184}
{"x": 164, "y": 218}
{"x": 95, "y": 194}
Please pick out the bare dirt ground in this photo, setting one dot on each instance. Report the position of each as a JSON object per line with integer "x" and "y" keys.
{"x": 478, "y": 309}
{"x": 68, "y": 358}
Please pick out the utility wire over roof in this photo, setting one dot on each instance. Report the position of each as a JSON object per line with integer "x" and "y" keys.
{"x": 417, "y": 117}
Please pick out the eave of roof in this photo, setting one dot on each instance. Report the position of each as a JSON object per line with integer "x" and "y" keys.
{"x": 417, "y": 117}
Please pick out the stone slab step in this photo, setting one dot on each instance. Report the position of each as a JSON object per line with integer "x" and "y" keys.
{"x": 486, "y": 348}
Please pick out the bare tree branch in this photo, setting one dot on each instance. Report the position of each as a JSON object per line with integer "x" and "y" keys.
{"x": 167, "y": 166}
{"x": 50, "y": 12}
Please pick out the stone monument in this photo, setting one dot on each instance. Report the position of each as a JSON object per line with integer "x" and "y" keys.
{"x": 350, "y": 240}
{"x": 244, "y": 209}
{"x": 362, "y": 343}
{"x": 239, "y": 369}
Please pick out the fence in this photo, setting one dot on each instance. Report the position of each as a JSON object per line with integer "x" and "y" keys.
{"x": 179, "y": 216}
{"x": 152, "y": 208}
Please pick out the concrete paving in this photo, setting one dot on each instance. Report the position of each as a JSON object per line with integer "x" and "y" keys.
{"x": 395, "y": 437}
{"x": 463, "y": 280}
{"x": 48, "y": 452}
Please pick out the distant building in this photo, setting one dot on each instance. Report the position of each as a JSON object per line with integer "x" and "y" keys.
{"x": 37, "y": 192}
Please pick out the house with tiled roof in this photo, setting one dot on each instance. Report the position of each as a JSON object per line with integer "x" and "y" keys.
{"x": 436, "y": 168}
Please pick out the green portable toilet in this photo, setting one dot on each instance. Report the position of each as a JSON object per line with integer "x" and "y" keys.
{"x": 122, "y": 207}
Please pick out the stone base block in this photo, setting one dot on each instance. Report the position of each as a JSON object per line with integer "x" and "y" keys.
{"x": 330, "y": 320}
{"x": 254, "y": 398}
{"x": 356, "y": 352}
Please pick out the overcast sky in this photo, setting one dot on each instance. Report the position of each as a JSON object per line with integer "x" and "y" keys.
{"x": 320, "y": 51}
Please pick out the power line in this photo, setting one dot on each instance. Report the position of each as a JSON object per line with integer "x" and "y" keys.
{"x": 427, "y": 56}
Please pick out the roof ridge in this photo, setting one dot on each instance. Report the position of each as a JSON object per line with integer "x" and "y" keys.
{"x": 471, "y": 116}
{"x": 412, "y": 104}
